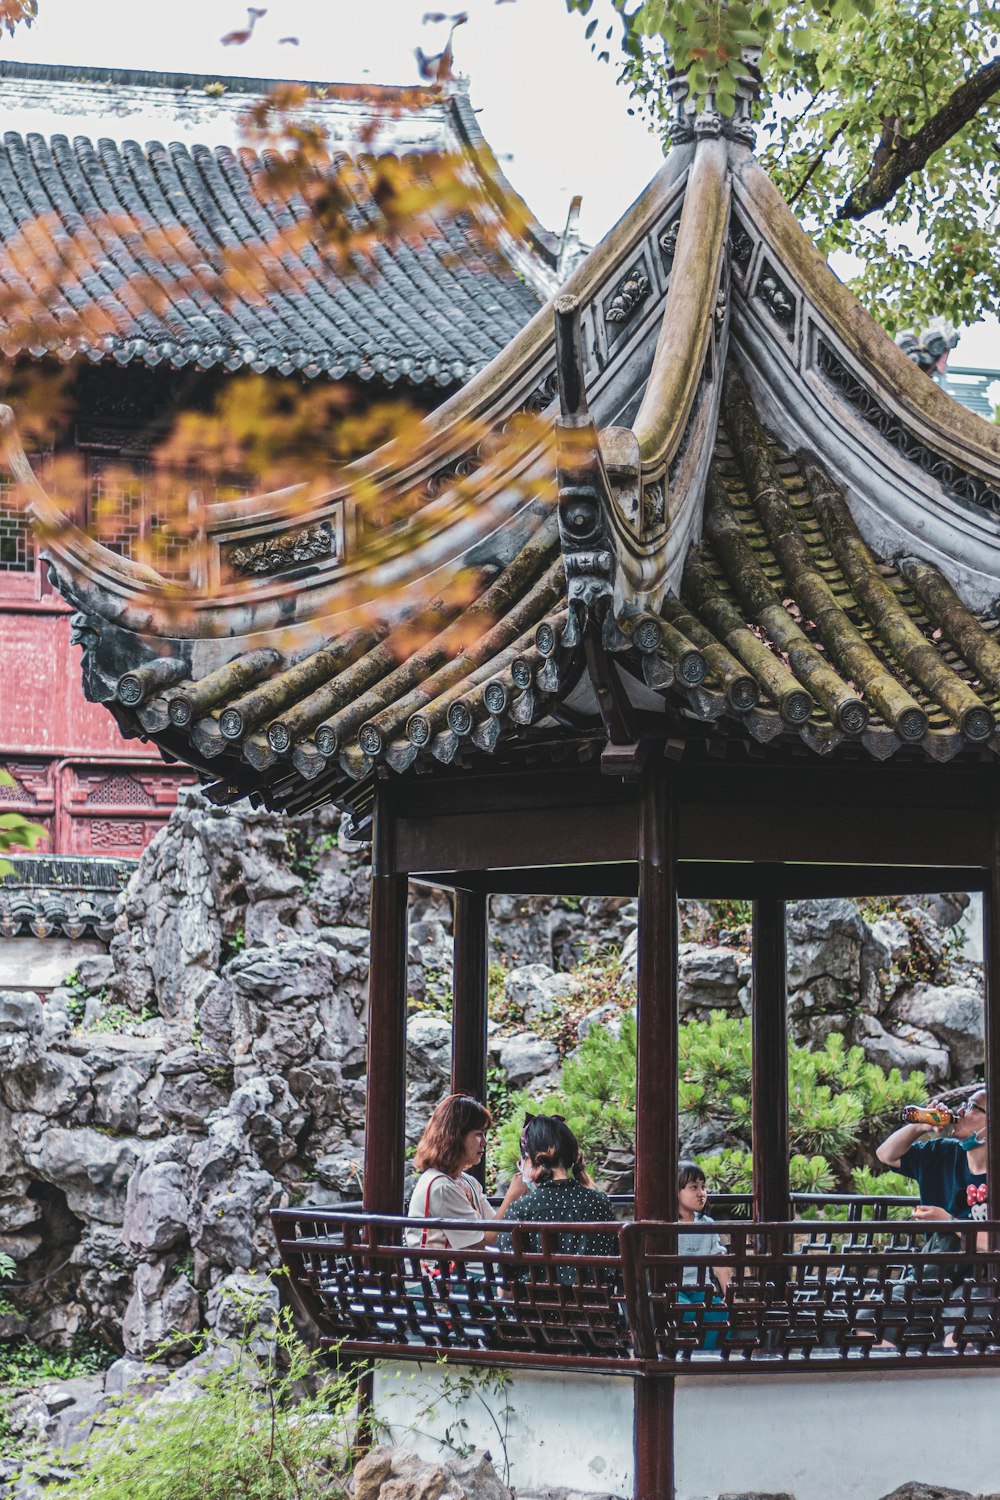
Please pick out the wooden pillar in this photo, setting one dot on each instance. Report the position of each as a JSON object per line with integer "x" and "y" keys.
{"x": 769, "y": 1049}
{"x": 991, "y": 1040}
{"x": 656, "y": 1139}
{"x": 385, "y": 1102}
{"x": 468, "y": 1009}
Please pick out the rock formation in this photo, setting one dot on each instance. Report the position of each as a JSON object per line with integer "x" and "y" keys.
{"x": 212, "y": 1066}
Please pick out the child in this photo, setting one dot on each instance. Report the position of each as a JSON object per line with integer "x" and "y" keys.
{"x": 696, "y": 1286}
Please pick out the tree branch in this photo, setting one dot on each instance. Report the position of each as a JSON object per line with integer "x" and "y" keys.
{"x": 911, "y": 154}
{"x": 817, "y": 161}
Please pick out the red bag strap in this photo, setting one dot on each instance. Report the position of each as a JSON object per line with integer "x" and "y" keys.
{"x": 427, "y": 1207}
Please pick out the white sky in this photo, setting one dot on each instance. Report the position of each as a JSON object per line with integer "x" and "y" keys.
{"x": 549, "y": 109}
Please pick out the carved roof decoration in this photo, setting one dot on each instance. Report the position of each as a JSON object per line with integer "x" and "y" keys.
{"x": 61, "y": 896}
{"x": 428, "y": 312}
{"x": 770, "y": 525}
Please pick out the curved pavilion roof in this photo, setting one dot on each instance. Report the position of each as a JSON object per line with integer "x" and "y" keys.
{"x": 770, "y": 526}
{"x": 102, "y": 211}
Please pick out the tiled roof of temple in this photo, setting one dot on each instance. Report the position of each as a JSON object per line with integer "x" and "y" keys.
{"x": 429, "y": 309}
{"x": 770, "y": 528}
{"x": 61, "y": 896}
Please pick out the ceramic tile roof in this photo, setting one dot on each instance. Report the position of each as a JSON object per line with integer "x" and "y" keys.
{"x": 431, "y": 311}
{"x": 61, "y": 896}
{"x": 857, "y": 647}
{"x": 786, "y": 625}
{"x": 769, "y": 527}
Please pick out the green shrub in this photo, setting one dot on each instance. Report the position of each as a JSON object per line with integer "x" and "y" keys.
{"x": 272, "y": 1424}
{"x": 840, "y": 1104}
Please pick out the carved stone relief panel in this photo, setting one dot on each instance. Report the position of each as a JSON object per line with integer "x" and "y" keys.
{"x": 264, "y": 556}
{"x": 949, "y": 475}
{"x": 741, "y": 248}
{"x": 622, "y": 304}
{"x": 776, "y": 296}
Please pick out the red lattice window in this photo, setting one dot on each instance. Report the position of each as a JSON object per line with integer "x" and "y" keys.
{"x": 116, "y": 500}
{"x": 119, "y": 791}
{"x": 17, "y": 549}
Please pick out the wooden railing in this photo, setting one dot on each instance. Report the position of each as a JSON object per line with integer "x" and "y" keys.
{"x": 816, "y": 1294}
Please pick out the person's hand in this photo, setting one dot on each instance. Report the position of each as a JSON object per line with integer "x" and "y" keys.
{"x": 930, "y": 1211}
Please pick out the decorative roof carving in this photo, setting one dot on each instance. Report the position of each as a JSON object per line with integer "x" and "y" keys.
{"x": 289, "y": 550}
{"x": 629, "y": 295}
{"x": 948, "y": 474}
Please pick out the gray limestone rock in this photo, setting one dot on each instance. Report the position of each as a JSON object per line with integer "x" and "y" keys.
{"x": 94, "y": 970}
{"x": 824, "y": 939}
{"x": 710, "y": 978}
{"x": 394, "y": 1474}
{"x": 292, "y": 1005}
{"x": 607, "y": 1016}
{"x": 341, "y": 1172}
{"x": 162, "y": 1305}
{"x": 914, "y": 1490}
{"x": 429, "y": 962}
{"x": 893, "y": 934}
{"x": 231, "y": 1198}
{"x": 90, "y": 1167}
{"x": 954, "y": 1014}
{"x": 241, "y": 1304}
{"x": 538, "y": 992}
{"x": 909, "y": 1048}
{"x": 188, "y": 1084}
{"x": 22, "y": 1030}
{"x": 157, "y": 1203}
{"x": 527, "y": 1059}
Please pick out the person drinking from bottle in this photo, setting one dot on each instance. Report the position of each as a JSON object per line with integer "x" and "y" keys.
{"x": 950, "y": 1171}
{"x": 944, "y": 1167}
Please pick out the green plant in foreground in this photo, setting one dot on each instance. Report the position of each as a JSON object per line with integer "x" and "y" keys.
{"x": 270, "y": 1423}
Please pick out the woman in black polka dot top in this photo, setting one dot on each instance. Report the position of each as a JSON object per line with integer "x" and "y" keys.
{"x": 562, "y": 1193}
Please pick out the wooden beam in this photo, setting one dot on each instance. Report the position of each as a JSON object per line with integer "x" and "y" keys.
{"x": 653, "y": 1438}
{"x": 656, "y": 1023}
{"x": 991, "y": 1039}
{"x": 722, "y": 880}
{"x": 789, "y": 831}
{"x": 718, "y": 880}
{"x": 656, "y": 1132}
{"x": 385, "y": 1099}
{"x": 495, "y": 839}
{"x": 769, "y": 1049}
{"x": 468, "y": 1007}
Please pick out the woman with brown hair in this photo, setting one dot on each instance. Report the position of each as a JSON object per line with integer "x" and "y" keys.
{"x": 453, "y": 1142}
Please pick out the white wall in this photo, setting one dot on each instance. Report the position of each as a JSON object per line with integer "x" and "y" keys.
{"x": 848, "y": 1437}
{"x": 30, "y": 963}
{"x": 843, "y": 1437}
{"x": 568, "y": 1430}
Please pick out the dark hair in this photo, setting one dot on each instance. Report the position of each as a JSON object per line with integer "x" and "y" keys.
{"x": 548, "y": 1142}
{"x": 440, "y": 1146}
{"x": 688, "y": 1172}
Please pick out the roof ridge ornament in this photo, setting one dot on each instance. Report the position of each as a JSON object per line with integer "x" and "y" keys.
{"x": 696, "y": 112}
{"x": 584, "y": 491}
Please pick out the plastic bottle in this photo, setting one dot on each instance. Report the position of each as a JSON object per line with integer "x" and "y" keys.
{"x": 937, "y": 1115}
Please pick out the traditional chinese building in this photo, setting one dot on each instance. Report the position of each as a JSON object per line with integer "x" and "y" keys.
{"x": 82, "y": 168}
{"x": 749, "y": 650}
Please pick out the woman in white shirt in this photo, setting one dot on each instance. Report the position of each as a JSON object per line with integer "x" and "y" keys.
{"x": 453, "y": 1142}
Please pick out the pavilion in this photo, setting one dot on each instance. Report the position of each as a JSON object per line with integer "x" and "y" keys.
{"x": 750, "y": 649}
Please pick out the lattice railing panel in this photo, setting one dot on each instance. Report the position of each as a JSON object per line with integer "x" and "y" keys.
{"x": 819, "y": 1292}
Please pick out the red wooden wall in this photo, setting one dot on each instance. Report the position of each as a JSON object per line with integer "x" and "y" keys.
{"x": 95, "y": 792}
